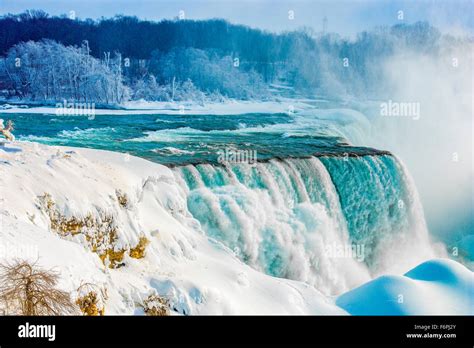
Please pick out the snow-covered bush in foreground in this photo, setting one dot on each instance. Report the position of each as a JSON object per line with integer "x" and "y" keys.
{"x": 91, "y": 300}
{"x": 27, "y": 289}
{"x": 154, "y": 305}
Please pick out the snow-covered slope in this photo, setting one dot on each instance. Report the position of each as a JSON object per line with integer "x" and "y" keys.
{"x": 197, "y": 274}
{"x": 438, "y": 286}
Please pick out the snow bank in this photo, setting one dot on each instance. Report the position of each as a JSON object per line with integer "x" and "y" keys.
{"x": 438, "y": 286}
{"x": 229, "y": 107}
{"x": 197, "y": 274}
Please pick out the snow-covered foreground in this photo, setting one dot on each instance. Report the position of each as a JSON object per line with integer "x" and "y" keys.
{"x": 197, "y": 274}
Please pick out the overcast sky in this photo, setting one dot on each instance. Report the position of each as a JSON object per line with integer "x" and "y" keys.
{"x": 346, "y": 17}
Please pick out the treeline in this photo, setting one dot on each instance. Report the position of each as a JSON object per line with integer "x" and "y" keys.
{"x": 137, "y": 39}
{"x": 114, "y": 59}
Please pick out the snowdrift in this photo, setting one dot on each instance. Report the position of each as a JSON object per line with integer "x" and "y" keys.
{"x": 438, "y": 286}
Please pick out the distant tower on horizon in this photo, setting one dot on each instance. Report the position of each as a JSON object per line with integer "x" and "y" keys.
{"x": 325, "y": 24}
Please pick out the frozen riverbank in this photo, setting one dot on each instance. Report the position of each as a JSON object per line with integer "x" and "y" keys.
{"x": 229, "y": 107}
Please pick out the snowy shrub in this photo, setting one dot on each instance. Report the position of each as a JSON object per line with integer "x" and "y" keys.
{"x": 100, "y": 232}
{"x": 138, "y": 252}
{"x": 89, "y": 304}
{"x": 60, "y": 223}
{"x": 91, "y": 300}
{"x": 122, "y": 198}
{"x": 155, "y": 305}
{"x": 26, "y": 289}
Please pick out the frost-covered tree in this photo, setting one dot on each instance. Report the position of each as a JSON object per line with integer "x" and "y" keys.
{"x": 148, "y": 89}
{"x": 208, "y": 71}
{"x": 50, "y": 71}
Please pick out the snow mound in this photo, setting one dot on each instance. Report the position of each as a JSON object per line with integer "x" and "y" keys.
{"x": 438, "y": 286}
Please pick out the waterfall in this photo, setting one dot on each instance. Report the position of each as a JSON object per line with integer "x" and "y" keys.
{"x": 325, "y": 221}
